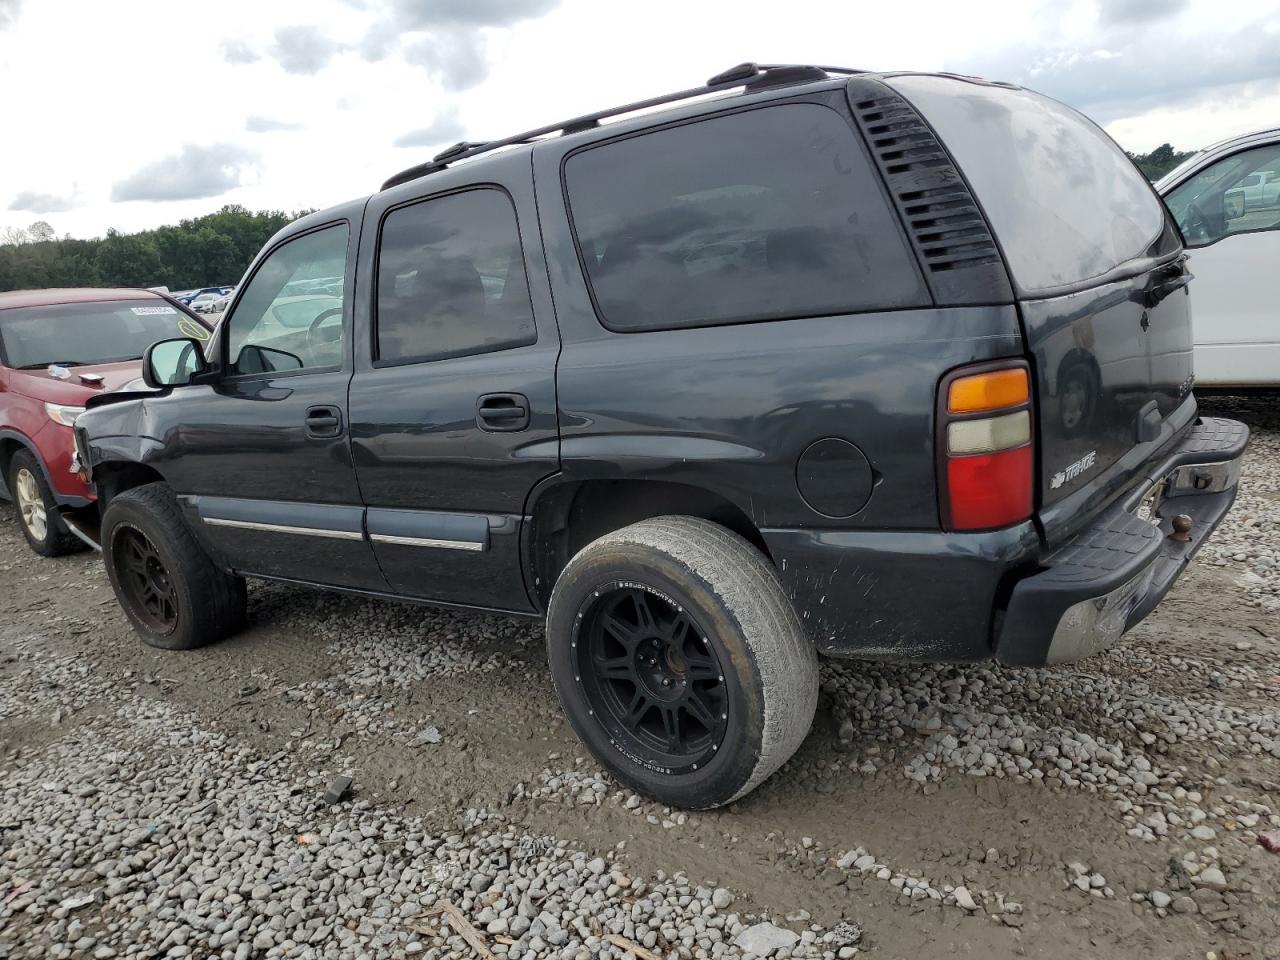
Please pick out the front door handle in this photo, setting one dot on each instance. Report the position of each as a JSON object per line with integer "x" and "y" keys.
{"x": 502, "y": 412}
{"x": 324, "y": 423}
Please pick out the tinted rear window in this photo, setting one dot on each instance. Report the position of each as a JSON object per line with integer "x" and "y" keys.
{"x": 766, "y": 214}
{"x": 451, "y": 279}
{"x": 1067, "y": 205}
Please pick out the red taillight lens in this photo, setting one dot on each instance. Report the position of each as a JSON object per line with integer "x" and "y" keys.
{"x": 990, "y": 490}
{"x": 987, "y": 461}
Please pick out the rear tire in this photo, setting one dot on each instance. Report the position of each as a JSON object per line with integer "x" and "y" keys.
{"x": 172, "y": 592}
{"x": 37, "y": 509}
{"x": 680, "y": 661}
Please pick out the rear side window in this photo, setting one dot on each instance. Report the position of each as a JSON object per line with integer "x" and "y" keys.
{"x": 1067, "y": 205}
{"x": 761, "y": 215}
{"x": 451, "y": 279}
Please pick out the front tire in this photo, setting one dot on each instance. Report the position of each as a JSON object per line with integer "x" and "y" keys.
{"x": 38, "y": 510}
{"x": 680, "y": 661}
{"x": 172, "y": 592}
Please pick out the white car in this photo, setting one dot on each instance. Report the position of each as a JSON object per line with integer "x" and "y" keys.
{"x": 204, "y": 303}
{"x": 1226, "y": 199}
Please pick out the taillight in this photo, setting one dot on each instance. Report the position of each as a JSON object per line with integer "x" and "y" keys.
{"x": 987, "y": 467}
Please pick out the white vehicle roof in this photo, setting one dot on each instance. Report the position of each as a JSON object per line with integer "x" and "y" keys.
{"x": 1200, "y": 157}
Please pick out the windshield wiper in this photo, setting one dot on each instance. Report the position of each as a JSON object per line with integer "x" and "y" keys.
{"x": 53, "y": 363}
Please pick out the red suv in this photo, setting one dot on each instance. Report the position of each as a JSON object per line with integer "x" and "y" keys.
{"x": 58, "y": 348}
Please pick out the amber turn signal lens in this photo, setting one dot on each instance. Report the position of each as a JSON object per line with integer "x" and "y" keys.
{"x": 996, "y": 390}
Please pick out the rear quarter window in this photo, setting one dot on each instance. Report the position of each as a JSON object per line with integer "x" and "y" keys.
{"x": 766, "y": 214}
{"x": 1066, "y": 204}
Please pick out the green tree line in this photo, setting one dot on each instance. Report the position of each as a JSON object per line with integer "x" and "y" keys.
{"x": 212, "y": 250}
{"x": 1159, "y": 161}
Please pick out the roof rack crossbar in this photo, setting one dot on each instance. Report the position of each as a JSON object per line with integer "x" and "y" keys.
{"x": 743, "y": 75}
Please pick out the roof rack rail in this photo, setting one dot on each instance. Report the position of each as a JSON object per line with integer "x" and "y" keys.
{"x": 748, "y": 75}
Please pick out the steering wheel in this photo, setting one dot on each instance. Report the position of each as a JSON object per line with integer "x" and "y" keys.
{"x": 312, "y": 342}
{"x": 1196, "y": 226}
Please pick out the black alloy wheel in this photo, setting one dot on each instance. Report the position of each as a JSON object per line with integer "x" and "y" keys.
{"x": 651, "y": 677}
{"x": 146, "y": 584}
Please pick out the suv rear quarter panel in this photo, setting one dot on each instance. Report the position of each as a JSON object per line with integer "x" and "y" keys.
{"x": 731, "y": 408}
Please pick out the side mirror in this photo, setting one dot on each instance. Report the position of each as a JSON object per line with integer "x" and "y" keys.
{"x": 173, "y": 363}
{"x": 1233, "y": 205}
{"x": 257, "y": 359}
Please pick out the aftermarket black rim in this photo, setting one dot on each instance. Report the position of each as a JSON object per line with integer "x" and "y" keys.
{"x": 651, "y": 677}
{"x": 144, "y": 580}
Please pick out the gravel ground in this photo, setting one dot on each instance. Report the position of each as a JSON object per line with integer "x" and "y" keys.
{"x": 172, "y": 805}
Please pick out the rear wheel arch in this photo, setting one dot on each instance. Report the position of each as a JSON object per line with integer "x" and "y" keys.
{"x": 568, "y": 516}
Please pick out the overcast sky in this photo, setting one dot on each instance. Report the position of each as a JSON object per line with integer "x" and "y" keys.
{"x": 135, "y": 113}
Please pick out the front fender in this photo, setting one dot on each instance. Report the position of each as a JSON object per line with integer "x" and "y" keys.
{"x": 115, "y": 433}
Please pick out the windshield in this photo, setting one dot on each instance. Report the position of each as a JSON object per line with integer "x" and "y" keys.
{"x": 85, "y": 333}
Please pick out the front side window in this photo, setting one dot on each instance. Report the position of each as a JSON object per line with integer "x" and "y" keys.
{"x": 767, "y": 214}
{"x": 74, "y": 334}
{"x": 451, "y": 279}
{"x": 1237, "y": 194}
{"x": 1066, "y": 203}
{"x": 290, "y": 315}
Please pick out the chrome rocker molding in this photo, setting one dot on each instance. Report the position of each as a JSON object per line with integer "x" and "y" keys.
{"x": 427, "y": 542}
{"x": 280, "y": 528}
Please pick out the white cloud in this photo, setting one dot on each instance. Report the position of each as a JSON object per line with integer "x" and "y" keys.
{"x": 429, "y": 14}
{"x": 444, "y": 130}
{"x": 1139, "y": 11}
{"x": 257, "y": 123}
{"x": 303, "y": 49}
{"x": 197, "y": 172}
{"x": 1201, "y": 121}
{"x": 237, "y": 51}
{"x": 456, "y": 59}
{"x": 36, "y": 202}
{"x": 499, "y": 66}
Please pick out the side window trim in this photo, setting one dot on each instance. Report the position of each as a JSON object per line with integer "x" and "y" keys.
{"x": 224, "y": 327}
{"x": 376, "y": 361}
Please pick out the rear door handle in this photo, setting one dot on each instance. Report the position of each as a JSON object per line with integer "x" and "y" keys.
{"x": 502, "y": 412}
{"x": 324, "y": 423}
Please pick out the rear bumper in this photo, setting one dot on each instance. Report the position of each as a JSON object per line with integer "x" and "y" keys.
{"x": 932, "y": 596}
{"x": 1115, "y": 572}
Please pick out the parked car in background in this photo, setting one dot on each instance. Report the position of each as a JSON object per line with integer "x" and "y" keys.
{"x": 779, "y": 395}
{"x": 1260, "y": 191}
{"x": 189, "y": 296}
{"x": 59, "y": 348}
{"x": 204, "y": 302}
{"x": 1226, "y": 199}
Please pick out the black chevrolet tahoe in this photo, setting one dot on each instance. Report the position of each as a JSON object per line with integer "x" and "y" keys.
{"x": 809, "y": 360}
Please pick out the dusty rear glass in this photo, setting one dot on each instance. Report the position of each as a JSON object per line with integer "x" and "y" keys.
{"x": 766, "y": 214}
{"x": 1067, "y": 205}
{"x": 85, "y": 333}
